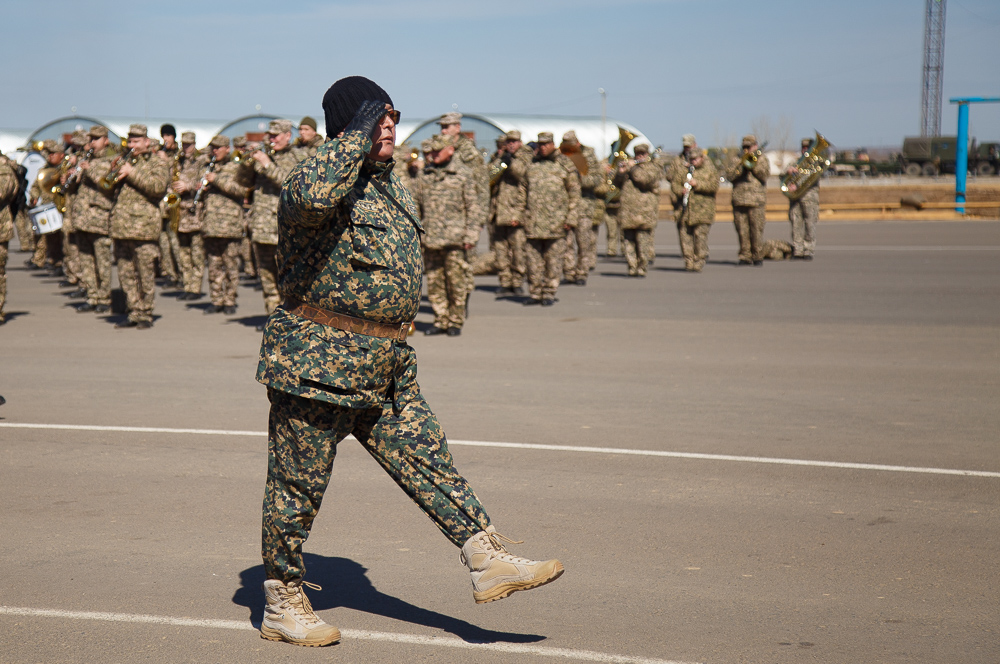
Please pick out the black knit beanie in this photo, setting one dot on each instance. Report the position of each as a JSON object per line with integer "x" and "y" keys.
{"x": 344, "y": 98}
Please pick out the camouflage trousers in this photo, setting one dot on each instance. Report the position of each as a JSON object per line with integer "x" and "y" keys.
{"x": 191, "y": 258}
{"x": 25, "y": 235}
{"x": 637, "y": 242}
{"x": 223, "y": 269}
{"x": 248, "y": 257}
{"x": 614, "y": 232}
{"x": 579, "y": 242}
{"x": 776, "y": 250}
{"x": 137, "y": 274}
{"x": 71, "y": 257}
{"x": 448, "y": 278}
{"x": 267, "y": 270}
{"x": 169, "y": 252}
{"x": 96, "y": 253}
{"x": 804, "y": 213}
{"x": 694, "y": 245}
{"x": 509, "y": 248}
{"x": 302, "y": 444}
{"x": 749, "y": 222}
{"x": 545, "y": 259}
{"x": 4, "y": 255}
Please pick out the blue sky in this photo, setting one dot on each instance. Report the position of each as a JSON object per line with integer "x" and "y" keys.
{"x": 715, "y": 68}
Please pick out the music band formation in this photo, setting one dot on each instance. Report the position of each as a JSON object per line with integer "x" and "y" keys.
{"x": 171, "y": 211}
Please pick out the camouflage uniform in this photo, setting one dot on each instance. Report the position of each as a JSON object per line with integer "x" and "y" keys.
{"x": 93, "y": 222}
{"x": 191, "y": 244}
{"x": 8, "y": 190}
{"x": 71, "y": 249}
{"x": 581, "y": 241}
{"x": 222, "y": 227}
{"x": 749, "y": 200}
{"x": 803, "y": 213}
{"x": 776, "y": 250}
{"x": 343, "y": 246}
{"x": 694, "y": 219}
{"x": 44, "y": 253}
{"x": 169, "y": 245}
{"x": 135, "y": 228}
{"x": 306, "y": 149}
{"x": 553, "y": 199}
{"x": 264, "y": 220}
{"x": 639, "y": 208}
{"x": 450, "y": 211}
{"x": 509, "y": 215}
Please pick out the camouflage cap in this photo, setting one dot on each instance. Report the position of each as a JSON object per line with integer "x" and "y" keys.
{"x": 308, "y": 122}
{"x": 687, "y": 140}
{"x": 545, "y": 137}
{"x": 425, "y": 145}
{"x": 513, "y": 135}
{"x": 239, "y": 141}
{"x": 51, "y": 146}
{"x": 97, "y": 131}
{"x": 137, "y": 130}
{"x": 187, "y": 137}
{"x": 276, "y": 127}
{"x": 440, "y": 142}
{"x": 79, "y": 138}
{"x": 642, "y": 148}
{"x": 807, "y": 142}
{"x": 501, "y": 139}
{"x": 570, "y": 137}
{"x": 450, "y": 118}
{"x": 219, "y": 141}
{"x": 749, "y": 140}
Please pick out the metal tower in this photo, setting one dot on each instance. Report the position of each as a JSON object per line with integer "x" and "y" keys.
{"x": 930, "y": 103}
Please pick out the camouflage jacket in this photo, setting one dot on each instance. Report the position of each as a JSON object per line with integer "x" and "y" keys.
{"x": 343, "y": 246}
{"x": 640, "y": 201}
{"x": 94, "y": 203}
{"x": 749, "y": 187}
{"x": 511, "y": 191}
{"x": 553, "y": 197}
{"x": 674, "y": 166}
{"x": 303, "y": 150}
{"x": 8, "y": 189}
{"x": 136, "y": 214}
{"x": 469, "y": 156}
{"x": 267, "y": 186}
{"x": 192, "y": 170}
{"x": 402, "y": 155}
{"x": 449, "y": 206}
{"x": 701, "y": 199}
{"x": 223, "y": 216}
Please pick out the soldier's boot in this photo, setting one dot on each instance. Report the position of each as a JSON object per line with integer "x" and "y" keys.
{"x": 496, "y": 573}
{"x": 288, "y": 616}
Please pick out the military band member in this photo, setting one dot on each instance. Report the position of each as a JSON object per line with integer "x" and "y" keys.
{"x": 679, "y": 167}
{"x": 639, "y": 182}
{"x": 48, "y": 250}
{"x": 269, "y": 172}
{"x": 93, "y": 222}
{"x": 803, "y": 213}
{"x": 223, "y": 227}
{"x": 71, "y": 250}
{"x": 169, "y": 246}
{"x": 451, "y": 214}
{"x": 749, "y": 173}
{"x": 487, "y": 263}
{"x": 695, "y": 188}
{"x": 552, "y": 208}
{"x": 135, "y": 226}
{"x": 509, "y": 215}
{"x": 581, "y": 241}
{"x": 247, "y": 261}
{"x": 191, "y": 245}
{"x": 408, "y": 165}
{"x": 309, "y": 140}
{"x": 8, "y": 190}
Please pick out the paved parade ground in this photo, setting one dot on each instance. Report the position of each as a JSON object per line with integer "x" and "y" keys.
{"x": 792, "y": 463}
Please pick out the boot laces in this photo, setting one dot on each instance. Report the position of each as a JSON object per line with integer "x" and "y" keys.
{"x": 295, "y": 599}
{"x": 497, "y": 540}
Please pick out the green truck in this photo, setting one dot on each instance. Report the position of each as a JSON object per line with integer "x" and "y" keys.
{"x": 933, "y": 155}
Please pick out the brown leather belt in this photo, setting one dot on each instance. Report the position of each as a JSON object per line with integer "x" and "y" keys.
{"x": 396, "y": 331}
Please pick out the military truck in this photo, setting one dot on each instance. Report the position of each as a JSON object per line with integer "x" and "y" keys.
{"x": 932, "y": 155}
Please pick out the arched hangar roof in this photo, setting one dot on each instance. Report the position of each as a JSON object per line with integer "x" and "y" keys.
{"x": 487, "y": 127}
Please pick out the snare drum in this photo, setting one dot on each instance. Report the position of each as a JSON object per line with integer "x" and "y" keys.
{"x": 45, "y": 219}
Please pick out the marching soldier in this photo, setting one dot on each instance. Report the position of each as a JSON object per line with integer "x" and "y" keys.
{"x": 678, "y": 167}
{"x": 223, "y": 227}
{"x": 639, "y": 182}
{"x": 248, "y": 264}
{"x": 509, "y": 215}
{"x": 695, "y": 188}
{"x": 749, "y": 173}
{"x": 8, "y": 191}
{"x": 553, "y": 198}
{"x": 71, "y": 250}
{"x": 803, "y": 213}
{"x": 93, "y": 223}
{"x": 449, "y": 204}
{"x": 48, "y": 251}
{"x": 268, "y": 173}
{"x": 309, "y": 140}
{"x": 408, "y": 165}
{"x": 581, "y": 242}
{"x": 487, "y": 263}
{"x": 191, "y": 245}
{"x": 135, "y": 226}
{"x": 169, "y": 244}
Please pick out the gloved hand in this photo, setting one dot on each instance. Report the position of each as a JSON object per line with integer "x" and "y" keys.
{"x": 368, "y": 115}
{"x": 507, "y": 158}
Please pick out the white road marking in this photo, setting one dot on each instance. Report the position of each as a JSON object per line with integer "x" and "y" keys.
{"x": 358, "y": 634}
{"x": 553, "y": 448}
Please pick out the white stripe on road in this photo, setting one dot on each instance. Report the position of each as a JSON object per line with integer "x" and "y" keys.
{"x": 358, "y": 634}
{"x": 870, "y": 247}
{"x": 554, "y": 448}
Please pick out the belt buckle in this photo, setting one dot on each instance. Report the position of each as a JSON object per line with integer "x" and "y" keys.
{"x": 404, "y": 329}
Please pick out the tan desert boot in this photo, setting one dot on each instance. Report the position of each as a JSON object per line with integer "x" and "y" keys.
{"x": 288, "y": 616}
{"x": 496, "y": 573}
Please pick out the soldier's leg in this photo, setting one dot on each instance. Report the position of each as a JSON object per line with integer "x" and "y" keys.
{"x": 810, "y": 215}
{"x": 701, "y": 245}
{"x": 518, "y": 257}
{"x": 644, "y": 244}
{"x": 631, "y": 257}
{"x": 536, "y": 268}
{"x": 184, "y": 260}
{"x": 554, "y": 253}
{"x": 588, "y": 250}
{"x": 25, "y": 234}
{"x": 267, "y": 270}
{"x": 85, "y": 262}
{"x": 175, "y": 254}
{"x": 71, "y": 254}
{"x": 4, "y": 255}
{"x": 437, "y": 286}
{"x": 458, "y": 275}
{"x": 248, "y": 257}
{"x": 502, "y": 249}
{"x": 41, "y": 251}
{"x": 756, "y": 232}
{"x": 613, "y": 231}
{"x": 798, "y": 227}
{"x": 146, "y": 253}
{"x": 198, "y": 260}
{"x": 412, "y": 448}
{"x": 214, "y": 248}
{"x": 54, "y": 249}
{"x": 167, "y": 268}
{"x": 570, "y": 255}
{"x": 301, "y": 446}
{"x": 231, "y": 264}
{"x": 103, "y": 257}
{"x": 686, "y": 234}
{"x": 651, "y": 245}
{"x": 741, "y": 219}
{"x": 128, "y": 275}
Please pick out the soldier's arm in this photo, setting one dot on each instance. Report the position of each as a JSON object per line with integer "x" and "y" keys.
{"x": 228, "y": 183}
{"x": 707, "y": 179}
{"x": 519, "y": 166}
{"x": 594, "y": 176}
{"x": 276, "y": 172}
{"x": 152, "y": 179}
{"x": 8, "y": 184}
{"x": 762, "y": 169}
{"x": 314, "y": 188}
{"x": 646, "y": 176}
{"x": 475, "y": 215}
{"x": 573, "y": 189}
{"x": 734, "y": 169}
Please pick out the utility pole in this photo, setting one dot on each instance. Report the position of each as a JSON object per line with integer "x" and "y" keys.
{"x": 930, "y": 103}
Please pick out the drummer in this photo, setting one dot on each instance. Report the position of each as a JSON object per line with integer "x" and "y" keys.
{"x": 48, "y": 250}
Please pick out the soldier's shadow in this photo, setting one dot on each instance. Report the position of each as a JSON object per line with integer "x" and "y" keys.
{"x": 345, "y": 585}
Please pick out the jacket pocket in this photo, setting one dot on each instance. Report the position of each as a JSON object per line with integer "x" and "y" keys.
{"x": 368, "y": 239}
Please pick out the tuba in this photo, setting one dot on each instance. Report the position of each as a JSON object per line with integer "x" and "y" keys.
{"x": 617, "y": 157}
{"x": 807, "y": 171}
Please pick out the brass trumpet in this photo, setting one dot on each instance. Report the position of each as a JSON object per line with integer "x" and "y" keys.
{"x": 111, "y": 179}
{"x": 624, "y": 138}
